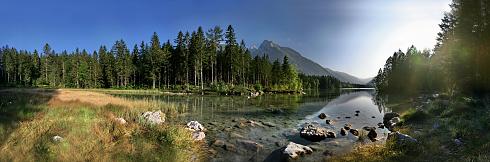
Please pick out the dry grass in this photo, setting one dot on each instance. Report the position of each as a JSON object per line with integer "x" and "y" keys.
{"x": 85, "y": 120}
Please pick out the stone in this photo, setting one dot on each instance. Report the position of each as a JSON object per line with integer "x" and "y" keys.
{"x": 294, "y": 150}
{"x": 120, "y": 121}
{"x": 458, "y": 142}
{"x": 328, "y": 121}
{"x": 195, "y": 126}
{"x": 198, "y": 135}
{"x": 389, "y": 116}
{"x": 331, "y": 135}
{"x": 328, "y": 153}
{"x": 57, "y": 138}
{"x": 230, "y": 147}
{"x": 400, "y": 137}
{"x": 368, "y": 128}
{"x": 347, "y": 117}
{"x": 313, "y": 132}
{"x": 343, "y": 132}
{"x": 373, "y": 117}
{"x": 235, "y": 135}
{"x": 354, "y": 132}
{"x": 381, "y": 125}
{"x": 372, "y": 135}
{"x": 197, "y": 130}
{"x": 356, "y": 114}
{"x": 269, "y": 124}
{"x": 250, "y": 145}
{"x": 219, "y": 143}
{"x": 156, "y": 117}
{"x": 322, "y": 116}
{"x": 357, "y": 111}
{"x": 347, "y": 126}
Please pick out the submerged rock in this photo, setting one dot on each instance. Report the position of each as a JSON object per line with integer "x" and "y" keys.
{"x": 368, "y": 128}
{"x": 354, "y": 132}
{"x": 381, "y": 125}
{"x": 294, "y": 150}
{"x": 250, "y": 145}
{"x": 313, "y": 132}
{"x": 156, "y": 117}
{"x": 269, "y": 124}
{"x": 331, "y": 135}
{"x": 347, "y": 126}
{"x": 328, "y": 121}
{"x": 343, "y": 132}
{"x": 322, "y": 116}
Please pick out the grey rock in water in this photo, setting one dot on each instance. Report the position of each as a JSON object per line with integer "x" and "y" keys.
{"x": 294, "y": 150}
{"x": 389, "y": 116}
{"x": 354, "y": 132}
{"x": 372, "y": 135}
{"x": 347, "y": 126}
{"x": 322, "y": 116}
{"x": 250, "y": 145}
{"x": 313, "y": 132}
{"x": 328, "y": 121}
{"x": 156, "y": 117}
{"x": 343, "y": 132}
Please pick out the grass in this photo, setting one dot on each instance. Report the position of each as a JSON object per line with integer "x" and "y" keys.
{"x": 85, "y": 120}
{"x": 464, "y": 118}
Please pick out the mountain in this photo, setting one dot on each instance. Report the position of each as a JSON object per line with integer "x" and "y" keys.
{"x": 303, "y": 64}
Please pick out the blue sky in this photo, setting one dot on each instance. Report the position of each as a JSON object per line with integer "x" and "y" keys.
{"x": 354, "y": 36}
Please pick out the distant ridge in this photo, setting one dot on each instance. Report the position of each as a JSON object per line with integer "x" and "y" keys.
{"x": 304, "y": 65}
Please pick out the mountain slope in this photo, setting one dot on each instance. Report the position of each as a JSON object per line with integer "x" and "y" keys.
{"x": 304, "y": 65}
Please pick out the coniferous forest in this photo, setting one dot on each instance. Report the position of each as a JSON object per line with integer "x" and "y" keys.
{"x": 193, "y": 61}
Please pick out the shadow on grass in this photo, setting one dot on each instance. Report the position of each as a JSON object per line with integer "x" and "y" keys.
{"x": 17, "y": 105}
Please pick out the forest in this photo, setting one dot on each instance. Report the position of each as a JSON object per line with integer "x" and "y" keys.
{"x": 459, "y": 62}
{"x": 199, "y": 60}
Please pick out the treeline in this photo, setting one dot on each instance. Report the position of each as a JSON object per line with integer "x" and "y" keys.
{"x": 194, "y": 60}
{"x": 460, "y": 61}
{"x": 323, "y": 82}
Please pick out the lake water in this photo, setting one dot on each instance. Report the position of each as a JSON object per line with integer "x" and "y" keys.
{"x": 255, "y": 129}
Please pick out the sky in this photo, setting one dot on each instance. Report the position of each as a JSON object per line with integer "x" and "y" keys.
{"x": 353, "y": 36}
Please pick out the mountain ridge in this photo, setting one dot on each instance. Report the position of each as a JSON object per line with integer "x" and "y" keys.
{"x": 303, "y": 64}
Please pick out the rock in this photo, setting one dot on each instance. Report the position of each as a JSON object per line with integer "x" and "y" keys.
{"x": 357, "y": 111}
{"x": 294, "y": 150}
{"x": 389, "y": 116}
{"x": 400, "y": 137}
{"x": 195, "y": 126}
{"x": 354, "y": 132}
{"x": 381, "y": 125}
{"x": 458, "y": 142}
{"x": 219, "y": 143}
{"x": 347, "y": 117}
{"x": 368, "y": 128}
{"x": 197, "y": 130}
{"x": 343, "y": 132}
{"x": 347, "y": 126}
{"x": 213, "y": 123}
{"x": 356, "y": 114}
{"x": 235, "y": 135}
{"x": 392, "y": 122}
{"x": 328, "y": 121}
{"x": 373, "y": 117}
{"x": 230, "y": 147}
{"x": 57, "y": 138}
{"x": 313, "y": 132}
{"x": 372, "y": 135}
{"x": 198, "y": 135}
{"x": 322, "y": 116}
{"x": 120, "y": 121}
{"x": 331, "y": 135}
{"x": 269, "y": 124}
{"x": 156, "y": 117}
{"x": 250, "y": 145}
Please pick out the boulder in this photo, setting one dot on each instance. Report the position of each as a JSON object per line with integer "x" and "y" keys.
{"x": 269, "y": 124}
{"x": 197, "y": 130}
{"x": 356, "y": 114}
{"x": 120, "y": 121}
{"x": 343, "y": 132}
{"x": 357, "y": 111}
{"x": 372, "y": 135}
{"x": 347, "y": 126}
{"x": 328, "y": 121}
{"x": 331, "y": 135}
{"x": 354, "y": 132}
{"x": 195, "y": 126}
{"x": 368, "y": 128}
{"x": 313, "y": 132}
{"x": 381, "y": 125}
{"x": 219, "y": 143}
{"x": 156, "y": 117}
{"x": 322, "y": 116}
{"x": 401, "y": 138}
{"x": 294, "y": 150}
{"x": 389, "y": 116}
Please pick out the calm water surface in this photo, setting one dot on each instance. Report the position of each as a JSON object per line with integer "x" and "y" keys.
{"x": 272, "y": 121}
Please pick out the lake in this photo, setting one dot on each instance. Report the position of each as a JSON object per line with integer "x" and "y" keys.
{"x": 240, "y": 128}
